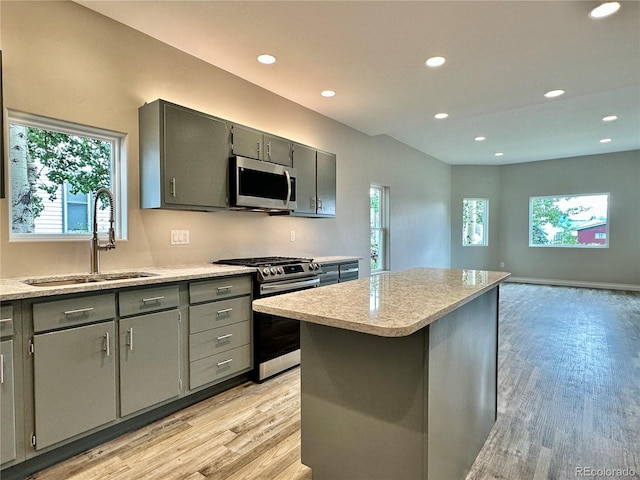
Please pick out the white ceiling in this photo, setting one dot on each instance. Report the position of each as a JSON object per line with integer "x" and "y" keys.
{"x": 501, "y": 58}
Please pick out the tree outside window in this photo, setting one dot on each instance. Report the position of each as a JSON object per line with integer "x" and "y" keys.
{"x": 475, "y": 226}
{"x": 54, "y": 168}
{"x": 569, "y": 221}
{"x": 379, "y": 227}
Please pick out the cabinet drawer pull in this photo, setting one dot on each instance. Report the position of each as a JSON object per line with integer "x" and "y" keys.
{"x": 224, "y": 312}
{"x": 1, "y": 369}
{"x": 173, "y": 186}
{"x": 225, "y": 362}
{"x": 224, "y": 337}
{"x": 6, "y": 320}
{"x": 153, "y": 299}
{"x": 78, "y": 311}
{"x": 226, "y": 287}
{"x": 108, "y": 344}
{"x": 130, "y": 339}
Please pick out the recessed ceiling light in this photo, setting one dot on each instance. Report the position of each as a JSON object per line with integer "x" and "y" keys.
{"x": 327, "y": 93}
{"x": 605, "y": 140}
{"x": 498, "y": 154}
{"x": 435, "y": 61}
{"x": 554, "y": 93}
{"x": 605, "y": 9}
{"x": 609, "y": 118}
{"x": 266, "y": 59}
{"x": 440, "y": 116}
{"x": 480, "y": 139}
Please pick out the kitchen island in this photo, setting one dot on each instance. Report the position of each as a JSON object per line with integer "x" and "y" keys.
{"x": 399, "y": 372}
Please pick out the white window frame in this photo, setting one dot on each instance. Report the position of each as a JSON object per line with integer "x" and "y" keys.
{"x": 384, "y": 229}
{"x": 118, "y": 173}
{"x": 574, "y": 195}
{"x": 485, "y": 224}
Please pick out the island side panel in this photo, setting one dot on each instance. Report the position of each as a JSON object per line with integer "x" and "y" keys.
{"x": 363, "y": 401}
{"x": 463, "y": 355}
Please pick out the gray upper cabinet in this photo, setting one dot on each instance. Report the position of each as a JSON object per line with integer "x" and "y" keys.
{"x": 248, "y": 142}
{"x": 183, "y": 158}
{"x": 316, "y": 182}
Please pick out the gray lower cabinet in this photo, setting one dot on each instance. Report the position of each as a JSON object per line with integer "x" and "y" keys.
{"x": 315, "y": 183}
{"x": 7, "y": 403}
{"x": 149, "y": 360}
{"x": 348, "y": 271}
{"x": 74, "y": 381}
{"x": 219, "y": 329}
{"x": 183, "y": 158}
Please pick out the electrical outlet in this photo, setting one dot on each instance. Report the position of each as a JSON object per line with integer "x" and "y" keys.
{"x": 179, "y": 237}
{"x": 292, "y": 235}
{"x": 501, "y": 264}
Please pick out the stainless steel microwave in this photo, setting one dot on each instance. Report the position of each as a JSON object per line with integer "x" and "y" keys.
{"x": 256, "y": 185}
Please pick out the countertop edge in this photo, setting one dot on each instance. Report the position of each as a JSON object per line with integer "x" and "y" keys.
{"x": 378, "y": 330}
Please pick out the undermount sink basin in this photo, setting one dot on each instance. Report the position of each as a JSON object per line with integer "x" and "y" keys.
{"x": 88, "y": 278}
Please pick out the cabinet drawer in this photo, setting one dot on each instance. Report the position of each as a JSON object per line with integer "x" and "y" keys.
{"x": 219, "y": 289}
{"x": 219, "y": 314}
{"x": 219, "y": 366}
{"x": 6, "y": 321}
{"x": 211, "y": 342}
{"x": 133, "y": 302}
{"x": 73, "y": 311}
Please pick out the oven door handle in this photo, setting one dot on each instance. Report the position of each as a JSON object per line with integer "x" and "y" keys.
{"x": 288, "y": 180}
{"x": 288, "y": 286}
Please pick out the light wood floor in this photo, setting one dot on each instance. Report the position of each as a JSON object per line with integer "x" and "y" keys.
{"x": 569, "y": 397}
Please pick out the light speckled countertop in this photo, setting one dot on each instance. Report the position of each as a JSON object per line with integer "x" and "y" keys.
{"x": 15, "y": 289}
{"x": 391, "y": 304}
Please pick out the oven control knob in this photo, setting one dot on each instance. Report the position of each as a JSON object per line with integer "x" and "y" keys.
{"x": 280, "y": 270}
{"x": 313, "y": 266}
{"x": 274, "y": 270}
{"x": 265, "y": 272}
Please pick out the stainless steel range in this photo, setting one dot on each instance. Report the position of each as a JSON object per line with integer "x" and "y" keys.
{"x": 277, "y": 339}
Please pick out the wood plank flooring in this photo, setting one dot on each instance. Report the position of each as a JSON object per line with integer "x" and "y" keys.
{"x": 569, "y": 398}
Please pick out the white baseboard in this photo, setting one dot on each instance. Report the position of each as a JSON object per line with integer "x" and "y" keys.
{"x": 575, "y": 283}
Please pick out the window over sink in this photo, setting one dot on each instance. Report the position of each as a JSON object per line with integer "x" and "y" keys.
{"x": 54, "y": 166}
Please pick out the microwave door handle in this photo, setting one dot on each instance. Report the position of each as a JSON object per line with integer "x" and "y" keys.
{"x": 288, "y": 177}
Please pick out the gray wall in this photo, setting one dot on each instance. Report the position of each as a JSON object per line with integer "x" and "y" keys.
{"x": 617, "y": 174}
{"x": 64, "y": 61}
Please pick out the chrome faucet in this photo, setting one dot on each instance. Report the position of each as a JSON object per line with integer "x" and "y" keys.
{"x": 95, "y": 244}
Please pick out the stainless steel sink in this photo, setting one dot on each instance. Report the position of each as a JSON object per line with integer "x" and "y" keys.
{"x": 81, "y": 279}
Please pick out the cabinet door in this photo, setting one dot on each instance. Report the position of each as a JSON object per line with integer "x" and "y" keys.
{"x": 7, "y": 403}
{"x": 74, "y": 381}
{"x": 326, "y": 184}
{"x": 246, "y": 142}
{"x": 304, "y": 161}
{"x": 149, "y": 360}
{"x": 196, "y": 157}
{"x": 277, "y": 150}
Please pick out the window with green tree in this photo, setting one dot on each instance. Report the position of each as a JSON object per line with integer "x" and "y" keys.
{"x": 475, "y": 221}
{"x": 569, "y": 221}
{"x": 54, "y": 167}
{"x": 379, "y": 222}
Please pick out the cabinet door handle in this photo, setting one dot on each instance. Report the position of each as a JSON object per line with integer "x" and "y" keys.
{"x": 153, "y": 299}
{"x": 130, "y": 339}
{"x": 319, "y": 203}
{"x": 108, "y": 346}
{"x": 1, "y": 369}
{"x": 269, "y": 150}
{"x": 225, "y": 311}
{"x": 313, "y": 203}
{"x": 224, "y": 337}
{"x": 78, "y": 311}
{"x": 258, "y": 148}
{"x": 173, "y": 186}
{"x": 6, "y": 320}
{"x": 225, "y": 362}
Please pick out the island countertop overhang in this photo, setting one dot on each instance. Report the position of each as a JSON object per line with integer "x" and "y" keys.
{"x": 393, "y": 304}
